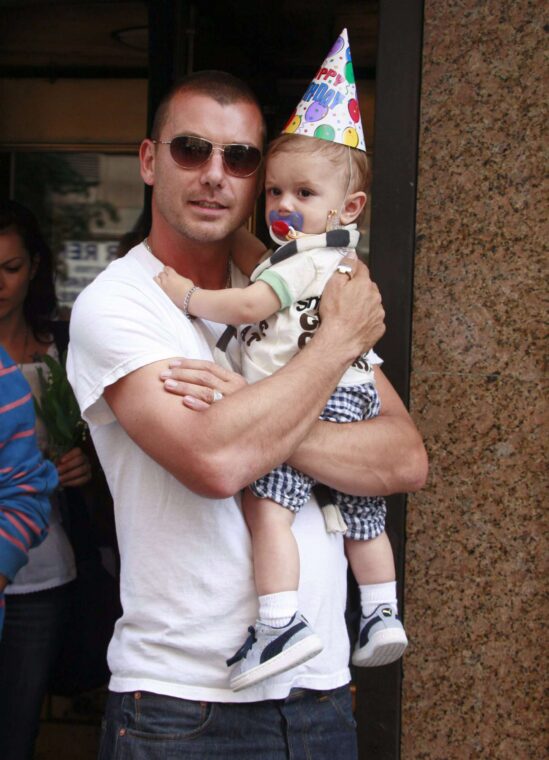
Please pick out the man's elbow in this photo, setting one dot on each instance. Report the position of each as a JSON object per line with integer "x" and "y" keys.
{"x": 214, "y": 477}
{"x": 413, "y": 470}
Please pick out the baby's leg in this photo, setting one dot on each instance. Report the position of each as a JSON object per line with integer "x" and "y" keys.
{"x": 382, "y": 638}
{"x": 275, "y": 552}
{"x": 282, "y": 638}
{"x": 371, "y": 561}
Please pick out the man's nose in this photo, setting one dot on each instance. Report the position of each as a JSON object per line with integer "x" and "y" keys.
{"x": 213, "y": 171}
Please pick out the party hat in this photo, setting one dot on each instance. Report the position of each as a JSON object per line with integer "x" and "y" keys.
{"x": 329, "y": 108}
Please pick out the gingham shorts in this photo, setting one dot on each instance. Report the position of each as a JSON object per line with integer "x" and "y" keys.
{"x": 364, "y": 516}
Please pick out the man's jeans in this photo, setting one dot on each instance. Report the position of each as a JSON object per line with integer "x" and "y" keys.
{"x": 308, "y": 725}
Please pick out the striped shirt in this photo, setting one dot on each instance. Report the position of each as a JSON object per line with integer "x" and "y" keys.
{"x": 26, "y": 478}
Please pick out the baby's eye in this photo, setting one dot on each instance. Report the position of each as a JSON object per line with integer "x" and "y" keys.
{"x": 273, "y": 191}
{"x": 304, "y": 193}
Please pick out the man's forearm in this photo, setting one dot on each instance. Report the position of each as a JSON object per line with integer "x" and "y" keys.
{"x": 266, "y": 421}
{"x": 371, "y": 458}
{"x": 375, "y": 457}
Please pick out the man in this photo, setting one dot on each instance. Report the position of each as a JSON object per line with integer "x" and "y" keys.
{"x": 186, "y": 580}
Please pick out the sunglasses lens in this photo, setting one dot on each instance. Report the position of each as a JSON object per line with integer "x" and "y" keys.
{"x": 190, "y": 152}
{"x": 241, "y": 160}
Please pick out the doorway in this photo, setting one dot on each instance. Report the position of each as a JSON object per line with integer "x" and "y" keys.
{"x": 128, "y": 63}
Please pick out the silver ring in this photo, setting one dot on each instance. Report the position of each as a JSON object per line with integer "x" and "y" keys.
{"x": 217, "y": 395}
{"x": 345, "y": 269}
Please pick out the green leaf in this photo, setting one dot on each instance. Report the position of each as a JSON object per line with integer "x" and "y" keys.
{"x": 58, "y": 407}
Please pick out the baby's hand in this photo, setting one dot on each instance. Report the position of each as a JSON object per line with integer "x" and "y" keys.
{"x": 174, "y": 285}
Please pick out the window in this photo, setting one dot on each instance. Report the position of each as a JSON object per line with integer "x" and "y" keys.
{"x": 84, "y": 203}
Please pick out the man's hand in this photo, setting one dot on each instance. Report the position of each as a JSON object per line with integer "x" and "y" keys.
{"x": 200, "y": 383}
{"x": 352, "y": 301}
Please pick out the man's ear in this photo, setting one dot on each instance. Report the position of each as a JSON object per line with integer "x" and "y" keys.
{"x": 352, "y": 207}
{"x": 146, "y": 159}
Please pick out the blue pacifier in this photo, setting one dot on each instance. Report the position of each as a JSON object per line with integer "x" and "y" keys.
{"x": 294, "y": 219}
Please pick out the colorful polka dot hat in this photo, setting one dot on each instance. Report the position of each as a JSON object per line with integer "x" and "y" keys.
{"x": 329, "y": 108}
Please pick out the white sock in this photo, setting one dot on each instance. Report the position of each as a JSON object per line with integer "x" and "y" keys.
{"x": 374, "y": 594}
{"x": 277, "y": 609}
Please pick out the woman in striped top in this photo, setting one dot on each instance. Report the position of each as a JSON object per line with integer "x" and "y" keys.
{"x": 26, "y": 478}
{"x": 38, "y": 601}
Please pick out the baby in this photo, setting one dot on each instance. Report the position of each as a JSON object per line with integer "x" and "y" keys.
{"x": 315, "y": 192}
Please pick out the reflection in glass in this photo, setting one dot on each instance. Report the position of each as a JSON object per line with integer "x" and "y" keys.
{"x": 84, "y": 203}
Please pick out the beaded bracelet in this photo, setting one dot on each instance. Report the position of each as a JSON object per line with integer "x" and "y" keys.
{"x": 187, "y": 300}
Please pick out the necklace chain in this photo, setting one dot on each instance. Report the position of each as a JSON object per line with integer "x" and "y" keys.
{"x": 228, "y": 280}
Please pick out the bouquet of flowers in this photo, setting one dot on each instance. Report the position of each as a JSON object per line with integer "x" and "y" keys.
{"x": 58, "y": 408}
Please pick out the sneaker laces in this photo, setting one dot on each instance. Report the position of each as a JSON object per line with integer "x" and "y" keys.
{"x": 244, "y": 649}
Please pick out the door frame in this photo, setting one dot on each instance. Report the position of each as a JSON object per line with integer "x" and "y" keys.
{"x": 392, "y": 248}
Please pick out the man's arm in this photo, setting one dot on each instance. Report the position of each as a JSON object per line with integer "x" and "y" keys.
{"x": 376, "y": 457}
{"x": 218, "y": 451}
{"x": 372, "y": 458}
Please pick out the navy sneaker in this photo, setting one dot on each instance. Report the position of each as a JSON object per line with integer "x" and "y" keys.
{"x": 268, "y": 651}
{"x": 381, "y": 640}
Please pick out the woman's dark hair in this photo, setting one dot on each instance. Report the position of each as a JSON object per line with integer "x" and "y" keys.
{"x": 41, "y": 302}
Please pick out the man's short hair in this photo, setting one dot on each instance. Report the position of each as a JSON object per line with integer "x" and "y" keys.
{"x": 221, "y": 86}
{"x": 341, "y": 156}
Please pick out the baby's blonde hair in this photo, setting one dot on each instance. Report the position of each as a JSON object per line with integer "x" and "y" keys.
{"x": 341, "y": 156}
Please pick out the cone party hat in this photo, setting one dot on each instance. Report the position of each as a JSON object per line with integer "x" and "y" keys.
{"x": 329, "y": 107}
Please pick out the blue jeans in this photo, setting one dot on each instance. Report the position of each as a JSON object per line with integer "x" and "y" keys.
{"x": 307, "y": 725}
{"x": 31, "y": 640}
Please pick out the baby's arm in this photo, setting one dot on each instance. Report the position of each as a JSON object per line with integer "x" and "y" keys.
{"x": 232, "y": 306}
{"x": 235, "y": 306}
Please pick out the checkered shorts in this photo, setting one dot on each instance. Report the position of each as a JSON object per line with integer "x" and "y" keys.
{"x": 364, "y": 516}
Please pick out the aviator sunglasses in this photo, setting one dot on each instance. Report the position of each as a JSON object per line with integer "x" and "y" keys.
{"x": 190, "y": 152}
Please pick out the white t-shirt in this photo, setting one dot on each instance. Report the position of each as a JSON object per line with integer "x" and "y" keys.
{"x": 186, "y": 568}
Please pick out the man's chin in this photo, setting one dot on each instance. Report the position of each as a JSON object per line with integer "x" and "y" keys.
{"x": 208, "y": 232}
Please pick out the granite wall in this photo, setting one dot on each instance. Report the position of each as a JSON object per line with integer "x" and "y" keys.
{"x": 476, "y": 674}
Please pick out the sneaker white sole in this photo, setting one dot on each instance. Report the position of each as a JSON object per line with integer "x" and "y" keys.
{"x": 296, "y": 655}
{"x": 384, "y": 647}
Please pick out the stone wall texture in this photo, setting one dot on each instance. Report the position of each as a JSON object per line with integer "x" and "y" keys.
{"x": 475, "y": 677}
